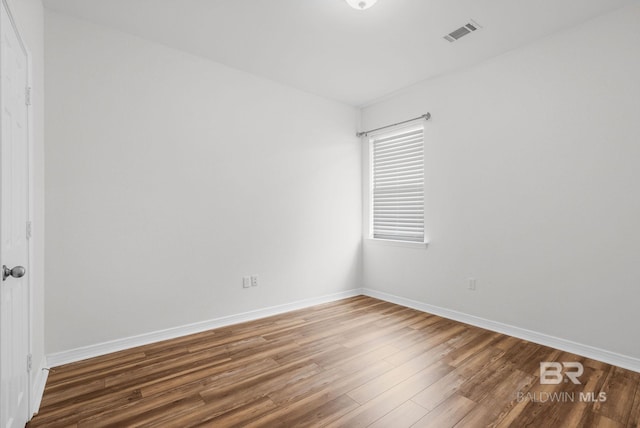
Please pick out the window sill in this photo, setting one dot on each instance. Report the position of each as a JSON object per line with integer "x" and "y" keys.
{"x": 389, "y": 242}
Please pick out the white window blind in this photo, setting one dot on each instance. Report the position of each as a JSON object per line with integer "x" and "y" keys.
{"x": 397, "y": 177}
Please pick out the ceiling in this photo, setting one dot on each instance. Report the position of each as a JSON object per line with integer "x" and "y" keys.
{"x": 327, "y": 48}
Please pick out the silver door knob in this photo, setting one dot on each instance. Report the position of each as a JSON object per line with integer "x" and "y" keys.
{"x": 16, "y": 272}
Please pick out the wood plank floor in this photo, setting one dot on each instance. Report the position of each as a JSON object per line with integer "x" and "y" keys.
{"x": 357, "y": 362}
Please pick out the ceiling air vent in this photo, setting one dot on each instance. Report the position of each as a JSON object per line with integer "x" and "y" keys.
{"x": 467, "y": 28}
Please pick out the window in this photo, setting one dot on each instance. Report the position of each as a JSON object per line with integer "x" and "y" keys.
{"x": 397, "y": 185}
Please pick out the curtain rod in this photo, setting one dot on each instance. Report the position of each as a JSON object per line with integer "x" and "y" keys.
{"x": 426, "y": 116}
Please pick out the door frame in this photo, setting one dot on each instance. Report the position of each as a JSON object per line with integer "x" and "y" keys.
{"x": 8, "y": 7}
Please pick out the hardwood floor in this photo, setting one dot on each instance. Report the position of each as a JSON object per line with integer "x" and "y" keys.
{"x": 353, "y": 363}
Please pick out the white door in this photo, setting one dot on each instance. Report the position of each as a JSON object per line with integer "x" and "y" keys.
{"x": 14, "y": 214}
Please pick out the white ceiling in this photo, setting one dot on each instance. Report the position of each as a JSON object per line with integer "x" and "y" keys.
{"x": 327, "y": 48}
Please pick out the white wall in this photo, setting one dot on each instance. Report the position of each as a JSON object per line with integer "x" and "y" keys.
{"x": 533, "y": 188}
{"x": 169, "y": 177}
{"x": 29, "y": 15}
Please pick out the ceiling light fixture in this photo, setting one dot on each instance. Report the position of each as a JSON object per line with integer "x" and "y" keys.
{"x": 361, "y": 4}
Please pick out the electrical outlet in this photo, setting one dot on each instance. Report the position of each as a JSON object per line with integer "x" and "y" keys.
{"x": 472, "y": 284}
{"x": 246, "y": 281}
{"x": 254, "y": 280}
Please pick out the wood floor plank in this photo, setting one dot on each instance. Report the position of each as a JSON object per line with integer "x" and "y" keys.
{"x": 56, "y": 395}
{"x": 478, "y": 341}
{"x": 352, "y": 363}
{"x": 497, "y": 382}
{"x": 74, "y": 371}
{"x": 318, "y": 416}
{"x": 393, "y": 377}
{"x": 448, "y": 385}
{"x": 431, "y": 339}
{"x": 169, "y": 366}
{"x": 120, "y": 415}
{"x": 157, "y": 416}
{"x": 431, "y": 397}
{"x": 376, "y": 408}
{"x": 237, "y": 417}
{"x": 405, "y": 415}
{"x": 318, "y": 398}
{"x": 217, "y": 374}
{"x": 506, "y": 342}
{"x": 604, "y": 422}
{"x": 425, "y": 322}
{"x": 574, "y": 415}
{"x": 260, "y": 385}
{"x": 69, "y": 414}
{"x": 634, "y": 414}
{"x": 188, "y": 383}
{"x": 448, "y": 413}
{"x": 528, "y": 408}
{"x": 374, "y": 349}
{"x": 478, "y": 416}
{"x": 620, "y": 386}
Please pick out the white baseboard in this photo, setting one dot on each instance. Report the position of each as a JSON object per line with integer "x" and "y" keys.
{"x": 90, "y": 351}
{"x": 78, "y": 354}
{"x": 37, "y": 389}
{"x": 609, "y": 357}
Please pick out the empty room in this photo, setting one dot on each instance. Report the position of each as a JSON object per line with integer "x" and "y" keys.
{"x": 327, "y": 213}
